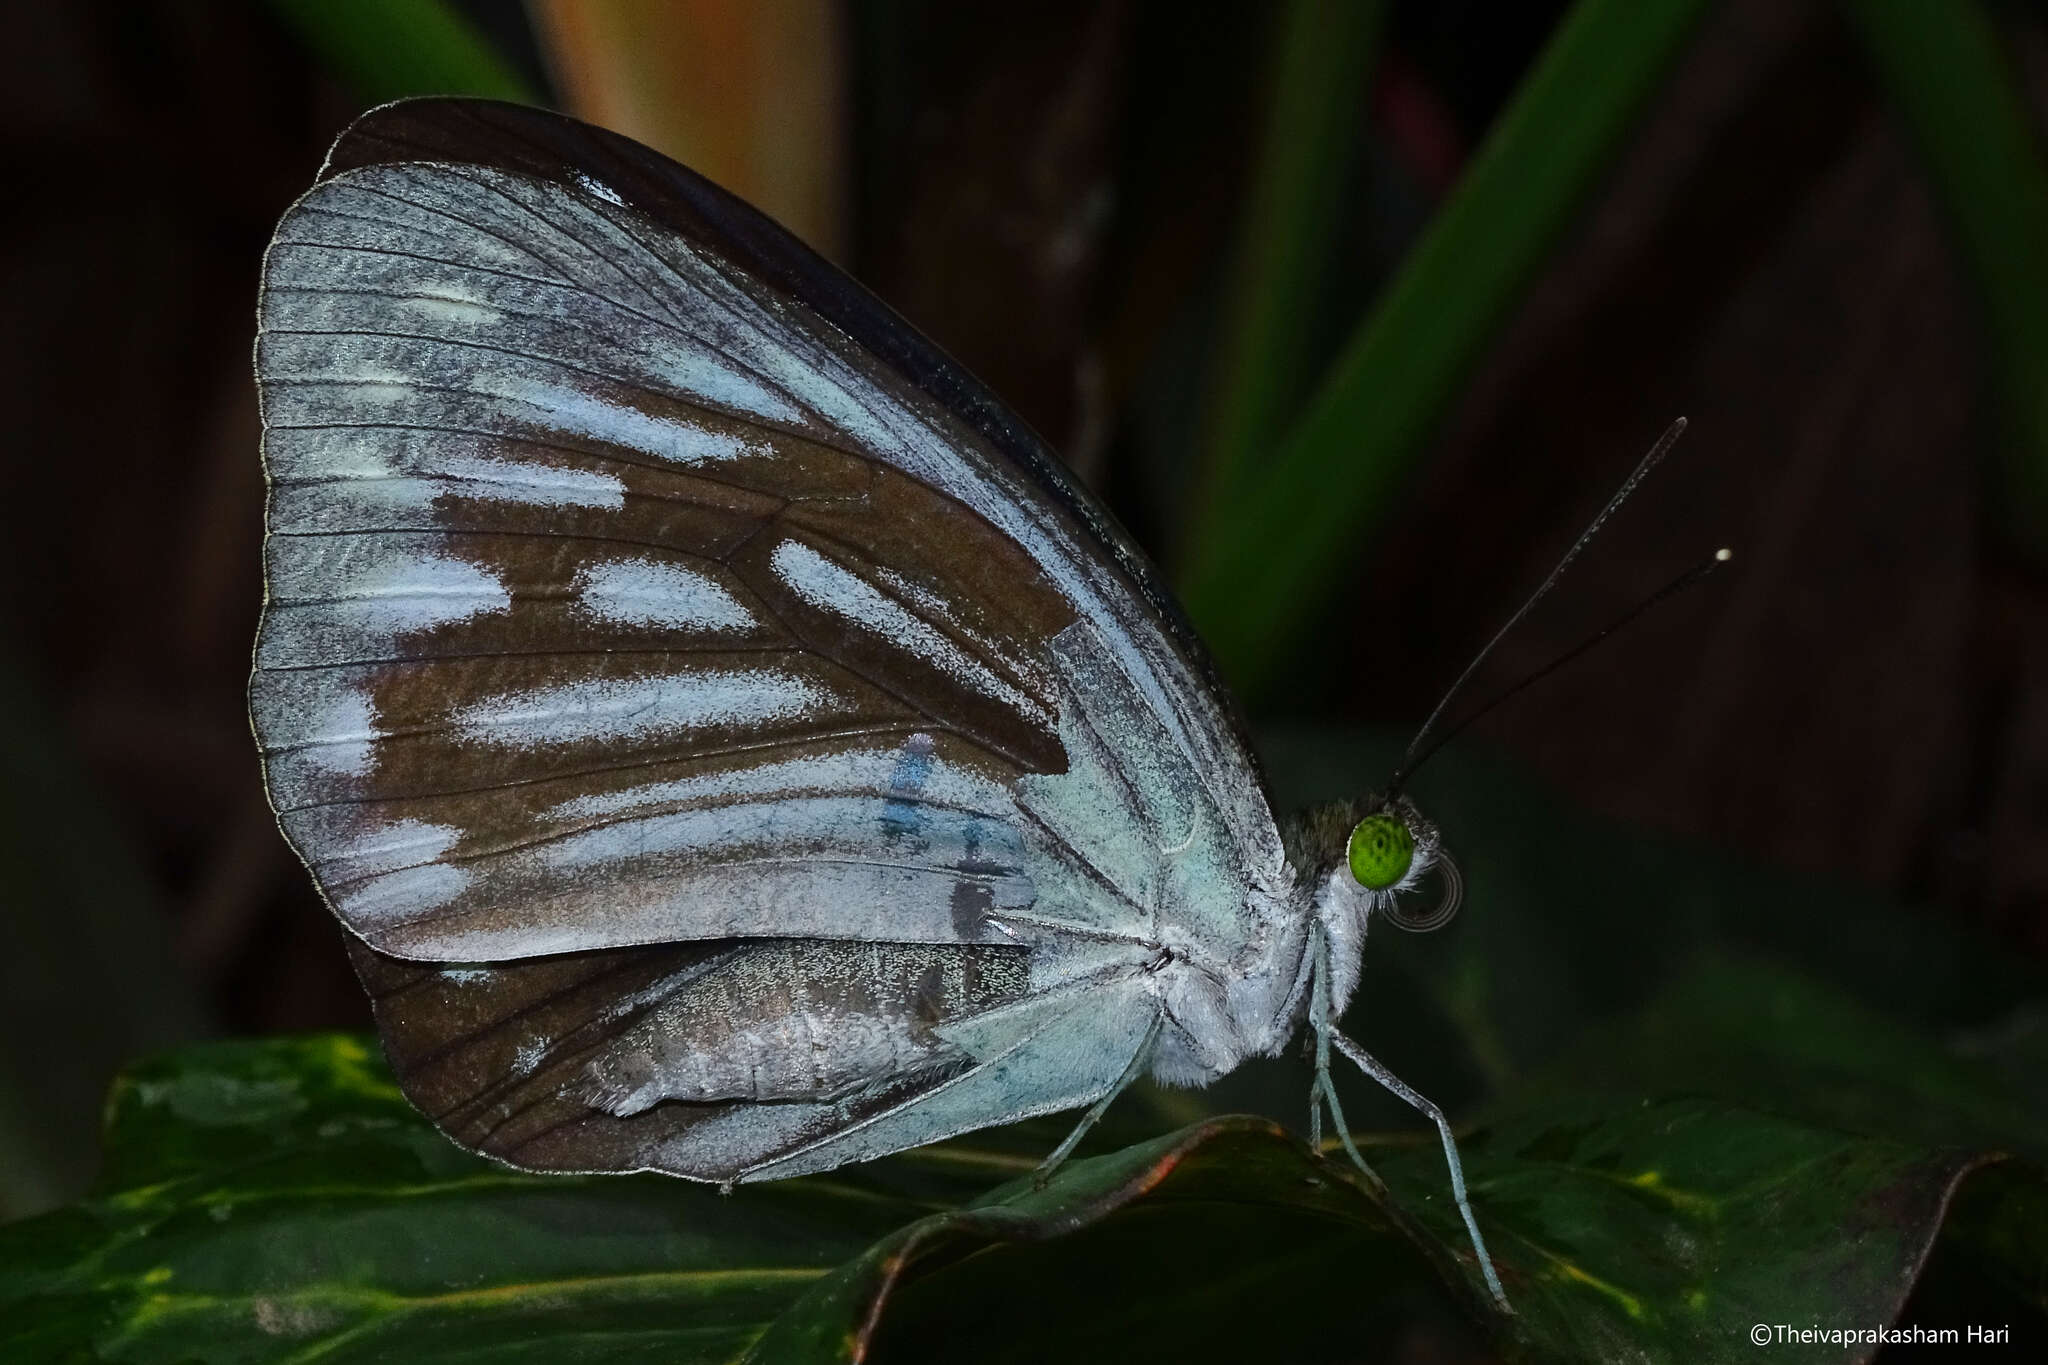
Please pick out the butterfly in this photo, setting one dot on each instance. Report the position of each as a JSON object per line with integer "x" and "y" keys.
{"x": 734, "y": 743}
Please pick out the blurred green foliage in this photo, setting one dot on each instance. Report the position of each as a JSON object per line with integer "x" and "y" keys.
{"x": 1943, "y": 68}
{"x": 1282, "y": 514}
{"x": 1322, "y": 64}
{"x": 389, "y": 49}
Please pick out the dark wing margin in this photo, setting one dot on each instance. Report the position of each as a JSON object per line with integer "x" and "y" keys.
{"x": 546, "y": 145}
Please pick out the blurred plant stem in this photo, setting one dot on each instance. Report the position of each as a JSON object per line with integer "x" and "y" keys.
{"x": 1264, "y": 546}
{"x": 388, "y": 49}
{"x": 748, "y": 92}
{"x": 1321, "y": 66}
{"x": 1941, "y": 66}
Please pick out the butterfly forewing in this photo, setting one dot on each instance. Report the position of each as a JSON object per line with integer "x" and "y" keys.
{"x": 619, "y": 597}
{"x": 518, "y": 726}
{"x": 1007, "y": 471}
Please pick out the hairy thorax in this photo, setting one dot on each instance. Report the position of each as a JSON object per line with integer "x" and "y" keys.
{"x": 1221, "y": 1008}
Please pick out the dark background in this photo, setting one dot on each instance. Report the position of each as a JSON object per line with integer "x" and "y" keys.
{"x": 1051, "y": 191}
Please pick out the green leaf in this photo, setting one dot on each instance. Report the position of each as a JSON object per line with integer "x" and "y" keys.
{"x": 1235, "y": 1162}
{"x": 297, "y": 1211}
{"x": 1664, "y": 1230}
{"x": 1750, "y": 1031}
{"x": 279, "y": 1201}
{"x": 1641, "y": 1231}
{"x": 389, "y": 49}
{"x": 1262, "y": 548}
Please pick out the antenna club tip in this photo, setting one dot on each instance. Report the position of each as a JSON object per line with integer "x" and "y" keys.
{"x": 1723, "y": 555}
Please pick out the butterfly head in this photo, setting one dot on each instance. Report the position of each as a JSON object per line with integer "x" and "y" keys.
{"x": 1359, "y": 861}
{"x": 1374, "y": 857}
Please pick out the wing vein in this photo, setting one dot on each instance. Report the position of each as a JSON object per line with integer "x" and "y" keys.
{"x": 1081, "y": 860}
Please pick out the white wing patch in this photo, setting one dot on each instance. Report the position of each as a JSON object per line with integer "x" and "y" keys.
{"x": 402, "y": 895}
{"x": 345, "y": 598}
{"x": 404, "y": 594}
{"x": 788, "y": 828}
{"x": 580, "y": 414}
{"x": 693, "y": 370}
{"x": 344, "y": 478}
{"x": 934, "y": 606}
{"x": 829, "y": 587}
{"x": 846, "y": 770}
{"x": 449, "y": 311}
{"x": 638, "y": 709}
{"x": 642, "y": 592}
{"x": 391, "y": 846}
{"x": 337, "y": 734}
{"x": 522, "y": 481}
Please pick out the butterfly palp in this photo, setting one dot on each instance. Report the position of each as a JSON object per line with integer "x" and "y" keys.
{"x": 1381, "y": 850}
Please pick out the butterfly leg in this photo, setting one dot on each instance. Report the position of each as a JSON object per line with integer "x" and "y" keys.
{"x": 1321, "y": 1092}
{"x": 1374, "y": 1068}
{"x": 1139, "y": 1060}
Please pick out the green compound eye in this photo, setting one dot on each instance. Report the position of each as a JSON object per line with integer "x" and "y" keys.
{"x": 1381, "y": 851}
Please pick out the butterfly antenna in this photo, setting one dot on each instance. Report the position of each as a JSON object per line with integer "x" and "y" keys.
{"x": 1671, "y": 589}
{"x": 1422, "y": 746}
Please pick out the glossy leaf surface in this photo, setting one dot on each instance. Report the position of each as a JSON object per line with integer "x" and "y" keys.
{"x": 277, "y": 1201}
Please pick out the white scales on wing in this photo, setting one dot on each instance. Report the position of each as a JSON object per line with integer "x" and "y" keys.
{"x": 349, "y": 597}
{"x": 642, "y": 592}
